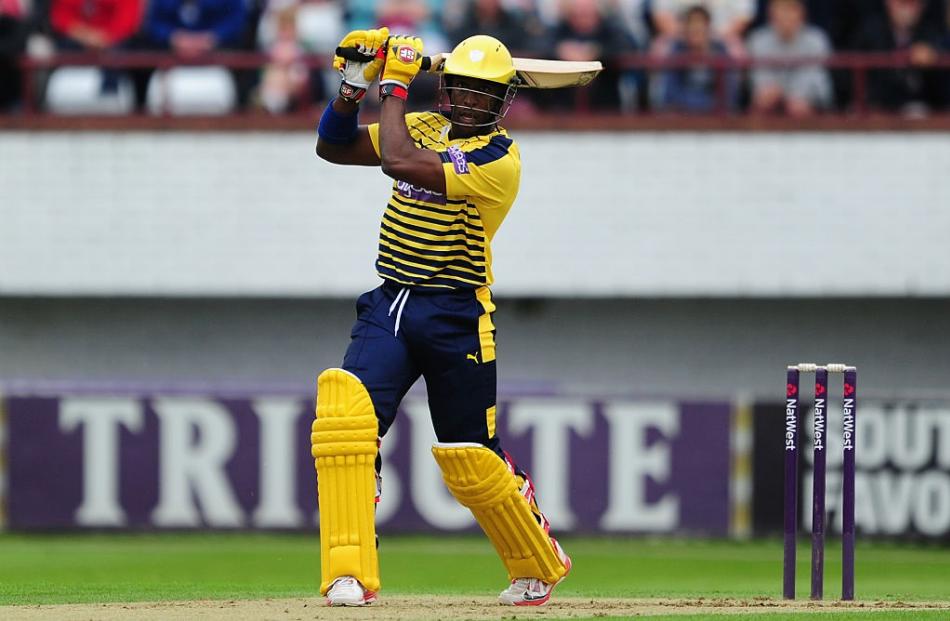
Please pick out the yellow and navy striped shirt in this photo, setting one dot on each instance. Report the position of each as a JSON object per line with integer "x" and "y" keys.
{"x": 430, "y": 239}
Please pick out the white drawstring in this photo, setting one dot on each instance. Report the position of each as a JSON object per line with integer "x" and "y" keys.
{"x": 402, "y": 305}
{"x": 396, "y": 301}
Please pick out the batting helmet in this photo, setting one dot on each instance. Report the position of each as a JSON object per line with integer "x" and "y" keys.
{"x": 485, "y": 59}
{"x": 482, "y": 57}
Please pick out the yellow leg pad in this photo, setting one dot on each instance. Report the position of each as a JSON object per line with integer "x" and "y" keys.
{"x": 343, "y": 445}
{"x": 481, "y": 481}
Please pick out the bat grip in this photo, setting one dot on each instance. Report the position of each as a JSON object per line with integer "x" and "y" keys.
{"x": 351, "y": 53}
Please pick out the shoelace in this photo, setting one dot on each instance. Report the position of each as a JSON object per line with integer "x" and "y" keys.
{"x": 533, "y": 585}
{"x": 345, "y": 582}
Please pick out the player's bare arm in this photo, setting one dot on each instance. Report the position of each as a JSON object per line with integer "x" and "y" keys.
{"x": 359, "y": 152}
{"x": 341, "y": 139}
{"x": 401, "y": 158}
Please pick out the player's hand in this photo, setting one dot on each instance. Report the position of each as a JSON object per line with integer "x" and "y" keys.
{"x": 357, "y": 75}
{"x": 403, "y": 61}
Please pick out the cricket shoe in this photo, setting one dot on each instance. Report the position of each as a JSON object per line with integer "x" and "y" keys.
{"x": 347, "y": 591}
{"x": 534, "y": 591}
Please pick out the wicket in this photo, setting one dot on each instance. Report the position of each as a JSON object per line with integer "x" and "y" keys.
{"x": 792, "y": 436}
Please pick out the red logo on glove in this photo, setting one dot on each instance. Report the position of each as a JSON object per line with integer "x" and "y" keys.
{"x": 406, "y": 54}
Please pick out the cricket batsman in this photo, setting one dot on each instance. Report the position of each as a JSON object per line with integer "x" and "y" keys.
{"x": 455, "y": 176}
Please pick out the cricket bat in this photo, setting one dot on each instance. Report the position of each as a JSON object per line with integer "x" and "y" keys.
{"x": 533, "y": 72}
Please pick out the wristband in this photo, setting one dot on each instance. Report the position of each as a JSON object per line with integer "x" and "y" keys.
{"x": 337, "y": 128}
{"x": 395, "y": 89}
{"x": 348, "y": 92}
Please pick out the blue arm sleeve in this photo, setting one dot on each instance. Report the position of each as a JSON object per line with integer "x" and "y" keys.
{"x": 336, "y": 128}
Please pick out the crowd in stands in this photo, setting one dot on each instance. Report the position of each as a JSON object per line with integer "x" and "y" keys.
{"x": 757, "y": 33}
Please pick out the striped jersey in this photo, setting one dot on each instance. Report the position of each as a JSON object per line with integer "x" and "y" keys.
{"x": 430, "y": 239}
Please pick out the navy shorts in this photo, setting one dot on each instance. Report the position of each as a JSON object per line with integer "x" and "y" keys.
{"x": 447, "y": 337}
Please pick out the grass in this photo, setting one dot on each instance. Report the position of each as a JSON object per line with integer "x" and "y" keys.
{"x": 51, "y": 569}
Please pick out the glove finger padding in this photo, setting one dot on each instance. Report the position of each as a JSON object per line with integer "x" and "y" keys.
{"x": 354, "y": 38}
{"x": 366, "y": 39}
{"x": 403, "y": 60}
{"x": 358, "y": 75}
{"x": 376, "y": 39}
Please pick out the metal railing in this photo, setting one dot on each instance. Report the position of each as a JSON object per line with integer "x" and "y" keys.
{"x": 858, "y": 64}
{"x": 140, "y": 60}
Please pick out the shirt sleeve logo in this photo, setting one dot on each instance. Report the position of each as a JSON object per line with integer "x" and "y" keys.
{"x": 458, "y": 160}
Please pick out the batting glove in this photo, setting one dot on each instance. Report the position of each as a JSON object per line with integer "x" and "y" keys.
{"x": 403, "y": 61}
{"x": 358, "y": 75}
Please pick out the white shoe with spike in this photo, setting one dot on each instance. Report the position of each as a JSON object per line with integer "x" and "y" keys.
{"x": 347, "y": 591}
{"x": 533, "y": 591}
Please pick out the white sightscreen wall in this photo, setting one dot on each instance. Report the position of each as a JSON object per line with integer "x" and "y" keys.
{"x": 618, "y": 214}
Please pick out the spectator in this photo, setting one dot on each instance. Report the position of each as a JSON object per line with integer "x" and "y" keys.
{"x": 697, "y": 88}
{"x": 634, "y": 15}
{"x": 518, "y": 27}
{"x": 937, "y": 12}
{"x": 845, "y": 18}
{"x": 634, "y": 18}
{"x": 14, "y": 29}
{"x": 247, "y": 81}
{"x": 548, "y": 11}
{"x": 586, "y": 31}
{"x": 520, "y": 32}
{"x": 406, "y": 14}
{"x": 320, "y": 27}
{"x": 94, "y": 25}
{"x": 413, "y": 17}
{"x": 821, "y": 13}
{"x": 419, "y": 18}
{"x": 729, "y": 18}
{"x": 285, "y": 78}
{"x": 190, "y": 29}
{"x": 914, "y": 89}
{"x": 798, "y": 91}
{"x": 288, "y": 30}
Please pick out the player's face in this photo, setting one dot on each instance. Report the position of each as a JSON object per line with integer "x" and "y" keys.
{"x": 474, "y": 105}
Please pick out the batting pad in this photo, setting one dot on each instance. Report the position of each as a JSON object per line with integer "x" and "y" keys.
{"x": 343, "y": 444}
{"x": 481, "y": 481}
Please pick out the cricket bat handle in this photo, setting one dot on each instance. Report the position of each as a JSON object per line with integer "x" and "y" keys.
{"x": 351, "y": 53}
{"x": 530, "y": 72}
